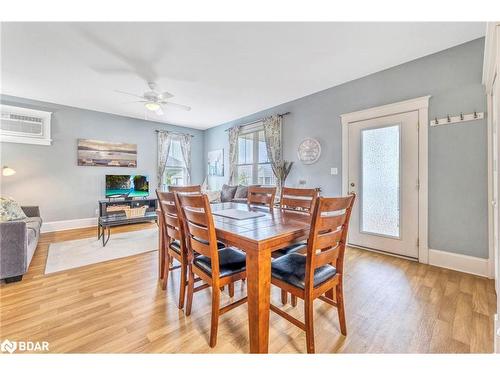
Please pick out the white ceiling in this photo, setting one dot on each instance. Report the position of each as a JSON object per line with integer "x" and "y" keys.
{"x": 222, "y": 70}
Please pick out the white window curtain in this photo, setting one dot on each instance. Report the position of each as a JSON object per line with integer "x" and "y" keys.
{"x": 165, "y": 140}
{"x": 185, "y": 140}
{"x": 164, "y": 143}
{"x": 234, "y": 132}
{"x": 272, "y": 135}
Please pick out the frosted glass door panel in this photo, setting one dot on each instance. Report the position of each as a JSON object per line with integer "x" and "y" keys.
{"x": 380, "y": 181}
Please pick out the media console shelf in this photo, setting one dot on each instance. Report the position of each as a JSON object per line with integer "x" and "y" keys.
{"x": 111, "y": 218}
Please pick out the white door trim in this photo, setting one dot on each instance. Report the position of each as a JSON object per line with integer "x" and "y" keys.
{"x": 421, "y": 105}
{"x": 490, "y": 70}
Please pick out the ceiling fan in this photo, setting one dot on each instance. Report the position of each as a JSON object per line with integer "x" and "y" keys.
{"x": 154, "y": 100}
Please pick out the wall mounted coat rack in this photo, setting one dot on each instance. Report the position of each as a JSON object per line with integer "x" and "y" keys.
{"x": 448, "y": 120}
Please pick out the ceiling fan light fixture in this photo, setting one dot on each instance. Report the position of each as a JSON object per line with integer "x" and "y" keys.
{"x": 152, "y": 106}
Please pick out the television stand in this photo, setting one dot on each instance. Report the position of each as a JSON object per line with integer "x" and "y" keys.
{"x": 108, "y": 219}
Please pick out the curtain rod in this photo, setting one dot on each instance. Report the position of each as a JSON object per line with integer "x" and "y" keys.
{"x": 177, "y": 133}
{"x": 254, "y": 122}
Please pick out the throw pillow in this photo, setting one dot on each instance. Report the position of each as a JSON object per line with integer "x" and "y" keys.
{"x": 10, "y": 210}
{"x": 241, "y": 192}
{"x": 227, "y": 193}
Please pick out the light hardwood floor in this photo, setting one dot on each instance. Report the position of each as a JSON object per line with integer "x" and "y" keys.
{"x": 392, "y": 306}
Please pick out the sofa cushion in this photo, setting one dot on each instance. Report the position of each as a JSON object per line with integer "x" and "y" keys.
{"x": 241, "y": 192}
{"x": 240, "y": 200}
{"x": 227, "y": 193}
{"x": 10, "y": 210}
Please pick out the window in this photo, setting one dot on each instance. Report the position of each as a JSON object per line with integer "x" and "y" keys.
{"x": 253, "y": 166}
{"x": 175, "y": 172}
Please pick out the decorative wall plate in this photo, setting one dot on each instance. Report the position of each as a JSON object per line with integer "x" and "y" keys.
{"x": 309, "y": 151}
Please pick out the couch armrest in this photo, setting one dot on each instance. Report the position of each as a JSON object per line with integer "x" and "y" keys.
{"x": 13, "y": 247}
{"x": 31, "y": 211}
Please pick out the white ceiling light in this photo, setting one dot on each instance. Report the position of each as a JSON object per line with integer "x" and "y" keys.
{"x": 152, "y": 106}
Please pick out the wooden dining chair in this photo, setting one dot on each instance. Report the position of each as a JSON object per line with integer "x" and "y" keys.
{"x": 174, "y": 243}
{"x": 191, "y": 189}
{"x": 301, "y": 201}
{"x": 217, "y": 267}
{"x": 320, "y": 272}
{"x": 296, "y": 200}
{"x": 261, "y": 196}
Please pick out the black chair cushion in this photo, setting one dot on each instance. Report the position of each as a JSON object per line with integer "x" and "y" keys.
{"x": 231, "y": 261}
{"x": 220, "y": 245}
{"x": 291, "y": 269}
{"x": 290, "y": 249}
{"x": 176, "y": 246}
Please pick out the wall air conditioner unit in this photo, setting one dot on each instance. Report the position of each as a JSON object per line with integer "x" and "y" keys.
{"x": 24, "y": 125}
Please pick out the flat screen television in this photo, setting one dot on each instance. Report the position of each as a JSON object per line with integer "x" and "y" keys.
{"x": 127, "y": 186}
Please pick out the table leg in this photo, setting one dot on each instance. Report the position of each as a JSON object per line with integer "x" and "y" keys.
{"x": 105, "y": 241}
{"x": 258, "y": 290}
{"x": 161, "y": 251}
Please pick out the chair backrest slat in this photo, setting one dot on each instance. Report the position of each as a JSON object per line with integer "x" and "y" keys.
{"x": 328, "y": 239}
{"x": 188, "y": 189}
{"x": 296, "y": 199}
{"x": 200, "y": 229}
{"x": 172, "y": 225}
{"x": 262, "y": 196}
{"x": 328, "y": 235}
{"x": 197, "y": 217}
{"x": 327, "y": 256}
{"x": 328, "y": 222}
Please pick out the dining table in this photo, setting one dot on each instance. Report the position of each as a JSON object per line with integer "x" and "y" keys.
{"x": 269, "y": 230}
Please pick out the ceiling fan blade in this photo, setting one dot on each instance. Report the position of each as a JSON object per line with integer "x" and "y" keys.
{"x": 159, "y": 111}
{"x": 180, "y": 106}
{"x": 111, "y": 70}
{"x": 165, "y": 95}
{"x": 128, "y": 93}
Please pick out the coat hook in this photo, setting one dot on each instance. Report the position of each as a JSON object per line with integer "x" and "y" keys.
{"x": 436, "y": 121}
{"x": 461, "y": 116}
{"x": 475, "y": 114}
{"x": 448, "y": 118}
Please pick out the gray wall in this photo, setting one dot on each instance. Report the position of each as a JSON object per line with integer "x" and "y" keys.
{"x": 457, "y": 154}
{"x": 48, "y": 176}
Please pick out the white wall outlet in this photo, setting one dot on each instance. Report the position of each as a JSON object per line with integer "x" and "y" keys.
{"x": 334, "y": 171}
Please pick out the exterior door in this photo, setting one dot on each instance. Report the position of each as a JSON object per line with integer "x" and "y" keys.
{"x": 383, "y": 172}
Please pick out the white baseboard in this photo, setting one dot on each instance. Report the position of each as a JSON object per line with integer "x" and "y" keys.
{"x": 459, "y": 262}
{"x": 55, "y": 226}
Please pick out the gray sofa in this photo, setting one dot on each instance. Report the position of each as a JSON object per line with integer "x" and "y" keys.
{"x": 18, "y": 241}
{"x": 236, "y": 193}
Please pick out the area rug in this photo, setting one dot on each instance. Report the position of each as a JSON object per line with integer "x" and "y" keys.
{"x": 78, "y": 253}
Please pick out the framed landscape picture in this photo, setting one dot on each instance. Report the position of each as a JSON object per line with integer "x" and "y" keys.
{"x": 216, "y": 163}
{"x": 106, "y": 154}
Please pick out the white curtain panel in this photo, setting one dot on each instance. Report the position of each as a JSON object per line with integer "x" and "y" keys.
{"x": 185, "y": 140}
{"x": 272, "y": 135}
{"x": 234, "y": 132}
{"x": 164, "y": 143}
